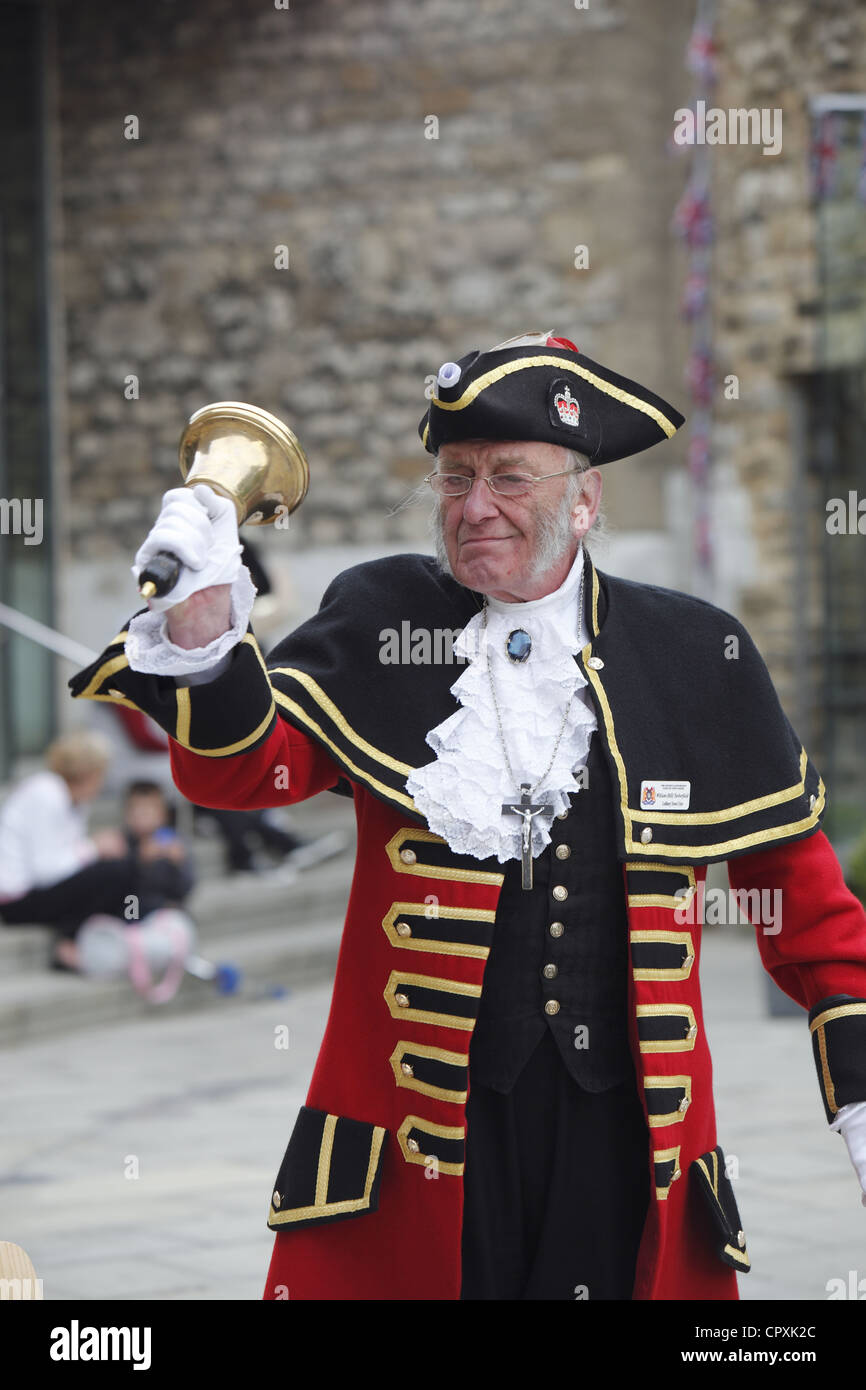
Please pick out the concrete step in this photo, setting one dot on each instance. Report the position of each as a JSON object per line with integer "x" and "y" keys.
{"x": 40, "y": 1003}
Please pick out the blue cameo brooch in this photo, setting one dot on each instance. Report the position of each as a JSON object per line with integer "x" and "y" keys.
{"x": 518, "y": 645}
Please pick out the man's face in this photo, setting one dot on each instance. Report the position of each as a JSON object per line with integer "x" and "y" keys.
{"x": 493, "y": 543}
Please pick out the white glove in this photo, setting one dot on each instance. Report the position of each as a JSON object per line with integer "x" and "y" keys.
{"x": 149, "y": 648}
{"x": 851, "y": 1123}
{"x": 201, "y": 529}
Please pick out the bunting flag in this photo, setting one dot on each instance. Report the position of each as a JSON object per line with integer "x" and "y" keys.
{"x": 695, "y": 298}
{"x": 699, "y": 454}
{"x": 861, "y": 176}
{"x": 693, "y": 219}
{"x": 699, "y": 374}
{"x": 701, "y": 53}
{"x": 825, "y": 155}
{"x": 692, "y": 222}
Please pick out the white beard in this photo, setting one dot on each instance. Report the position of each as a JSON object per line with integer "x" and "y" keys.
{"x": 554, "y": 538}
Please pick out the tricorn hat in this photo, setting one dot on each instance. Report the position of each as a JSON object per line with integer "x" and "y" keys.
{"x": 539, "y": 387}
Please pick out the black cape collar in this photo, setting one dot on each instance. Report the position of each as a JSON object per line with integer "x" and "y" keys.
{"x": 681, "y": 694}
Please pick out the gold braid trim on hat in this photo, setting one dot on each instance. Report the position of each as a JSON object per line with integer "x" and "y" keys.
{"x": 497, "y": 373}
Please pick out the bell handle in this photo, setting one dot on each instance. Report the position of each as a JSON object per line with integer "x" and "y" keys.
{"x": 162, "y": 571}
{"x": 159, "y": 576}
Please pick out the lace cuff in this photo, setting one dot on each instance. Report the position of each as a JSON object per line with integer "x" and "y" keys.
{"x": 149, "y": 649}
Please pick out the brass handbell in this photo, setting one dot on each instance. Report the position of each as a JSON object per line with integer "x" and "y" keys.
{"x": 243, "y": 453}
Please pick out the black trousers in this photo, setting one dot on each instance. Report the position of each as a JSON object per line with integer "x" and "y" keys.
{"x": 242, "y": 831}
{"x": 102, "y": 886}
{"x": 556, "y": 1187}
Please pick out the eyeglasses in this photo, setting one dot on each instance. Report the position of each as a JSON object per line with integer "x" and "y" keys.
{"x": 505, "y": 484}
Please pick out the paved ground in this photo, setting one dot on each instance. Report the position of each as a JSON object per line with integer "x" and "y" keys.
{"x": 203, "y": 1104}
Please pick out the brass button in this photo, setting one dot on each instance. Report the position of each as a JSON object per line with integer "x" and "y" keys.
{"x": 684, "y": 1105}
{"x": 560, "y": 893}
{"x": 276, "y": 1199}
{"x": 408, "y": 856}
{"x": 403, "y": 929}
{"x": 402, "y": 1000}
{"x": 741, "y": 1239}
{"x": 407, "y": 1069}
{"x": 595, "y": 663}
{"x": 563, "y": 815}
{"x": 646, "y": 835}
{"x": 687, "y": 960}
{"x": 563, "y": 852}
{"x": 413, "y": 1146}
{"x": 812, "y": 800}
{"x": 677, "y": 1174}
{"x": 556, "y": 929}
{"x": 693, "y": 1032}
{"x": 550, "y": 972}
{"x": 119, "y": 695}
{"x": 552, "y": 1006}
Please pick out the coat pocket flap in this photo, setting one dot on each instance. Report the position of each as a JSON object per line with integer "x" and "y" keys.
{"x": 717, "y": 1191}
{"x": 330, "y": 1170}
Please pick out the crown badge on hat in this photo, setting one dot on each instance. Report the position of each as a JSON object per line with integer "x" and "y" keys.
{"x": 540, "y": 387}
{"x": 567, "y": 408}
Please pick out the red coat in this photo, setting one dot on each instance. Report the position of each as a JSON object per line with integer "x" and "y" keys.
{"x": 368, "y": 1200}
{"x": 409, "y": 1247}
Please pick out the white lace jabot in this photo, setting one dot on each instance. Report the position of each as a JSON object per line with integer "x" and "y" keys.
{"x": 462, "y": 791}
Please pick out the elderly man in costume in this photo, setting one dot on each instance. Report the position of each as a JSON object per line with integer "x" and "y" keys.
{"x": 513, "y": 1094}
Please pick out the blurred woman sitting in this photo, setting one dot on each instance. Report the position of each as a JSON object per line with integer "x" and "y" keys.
{"x": 52, "y": 872}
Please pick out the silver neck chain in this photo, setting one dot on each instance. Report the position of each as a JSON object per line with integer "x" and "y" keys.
{"x": 568, "y": 704}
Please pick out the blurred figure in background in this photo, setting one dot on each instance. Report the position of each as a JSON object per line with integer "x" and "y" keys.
{"x": 245, "y": 833}
{"x": 52, "y": 872}
{"x": 164, "y": 871}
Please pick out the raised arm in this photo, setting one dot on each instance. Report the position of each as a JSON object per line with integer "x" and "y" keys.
{"x": 195, "y": 667}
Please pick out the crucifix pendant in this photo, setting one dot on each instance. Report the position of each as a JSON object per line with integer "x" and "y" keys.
{"x": 527, "y": 810}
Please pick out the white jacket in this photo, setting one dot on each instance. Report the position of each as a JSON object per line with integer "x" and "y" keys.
{"x": 43, "y": 836}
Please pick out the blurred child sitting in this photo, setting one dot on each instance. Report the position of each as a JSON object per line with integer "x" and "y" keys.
{"x": 165, "y": 873}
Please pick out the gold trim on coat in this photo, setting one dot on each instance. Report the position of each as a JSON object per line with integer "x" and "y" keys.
{"x": 388, "y": 792}
{"x": 817, "y": 1026}
{"x": 398, "y": 977}
{"x": 663, "y": 1083}
{"x": 713, "y": 1179}
{"x": 651, "y": 972}
{"x": 428, "y": 1127}
{"x": 326, "y": 703}
{"x": 666, "y": 1011}
{"x": 106, "y": 670}
{"x": 431, "y": 943}
{"x": 685, "y": 871}
{"x": 396, "y": 842}
{"x": 743, "y": 808}
{"x": 436, "y": 1054}
{"x": 721, "y": 848}
{"x": 838, "y": 1011}
{"x": 667, "y": 1156}
{"x": 320, "y": 1208}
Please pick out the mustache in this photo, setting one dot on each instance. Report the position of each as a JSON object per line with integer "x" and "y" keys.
{"x": 553, "y": 537}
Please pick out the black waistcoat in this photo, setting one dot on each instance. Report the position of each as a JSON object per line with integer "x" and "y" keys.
{"x": 587, "y": 948}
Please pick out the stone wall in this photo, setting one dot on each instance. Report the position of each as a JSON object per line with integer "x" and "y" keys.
{"x": 307, "y": 127}
{"x": 768, "y": 309}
